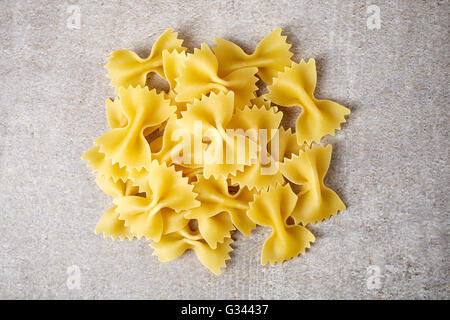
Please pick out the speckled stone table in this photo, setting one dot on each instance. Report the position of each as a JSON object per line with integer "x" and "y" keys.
{"x": 390, "y": 161}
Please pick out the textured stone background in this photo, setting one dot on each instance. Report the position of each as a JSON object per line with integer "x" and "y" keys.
{"x": 390, "y": 161}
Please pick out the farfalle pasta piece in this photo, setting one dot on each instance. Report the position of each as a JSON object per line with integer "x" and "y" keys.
{"x": 287, "y": 145}
{"x": 165, "y": 191}
{"x": 215, "y": 229}
{"x": 177, "y": 146}
{"x": 259, "y": 102}
{"x": 127, "y": 146}
{"x": 261, "y": 125}
{"x": 167, "y": 150}
{"x": 181, "y": 106}
{"x": 271, "y": 209}
{"x": 271, "y": 56}
{"x": 227, "y": 152}
{"x": 295, "y": 87}
{"x": 117, "y": 188}
{"x": 220, "y": 211}
{"x": 104, "y": 166}
{"x": 168, "y": 144}
{"x": 173, "y": 63}
{"x": 253, "y": 120}
{"x": 126, "y": 68}
{"x": 114, "y": 114}
{"x": 189, "y": 172}
{"x": 308, "y": 169}
{"x": 265, "y": 172}
{"x": 173, "y": 221}
{"x": 110, "y": 224}
{"x": 261, "y": 175}
{"x": 199, "y": 77}
{"x": 96, "y": 159}
{"x": 173, "y": 245}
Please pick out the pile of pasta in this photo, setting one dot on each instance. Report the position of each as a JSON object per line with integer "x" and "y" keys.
{"x": 182, "y": 204}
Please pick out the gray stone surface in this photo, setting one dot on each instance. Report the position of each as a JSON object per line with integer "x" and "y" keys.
{"x": 390, "y": 161}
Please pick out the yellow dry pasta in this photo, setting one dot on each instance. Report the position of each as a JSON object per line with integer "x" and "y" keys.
{"x": 199, "y": 77}
{"x": 181, "y": 106}
{"x": 172, "y": 148}
{"x": 99, "y": 163}
{"x": 210, "y": 117}
{"x": 110, "y": 224}
{"x": 127, "y": 146}
{"x": 189, "y": 172}
{"x": 295, "y": 87}
{"x": 261, "y": 175}
{"x": 117, "y": 188}
{"x": 190, "y": 165}
{"x": 261, "y": 125}
{"x": 219, "y": 211}
{"x": 315, "y": 200}
{"x": 271, "y": 56}
{"x": 267, "y": 174}
{"x": 259, "y": 102}
{"x": 96, "y": 159}
{"x": 287, "y": 145}
{"x": 173, "y": 245}
{"x": 114, "y": 114}
{"x": 166, "y": 191}
{"x": 173, "y": 63}
{"x": 257, "y": 122}
{"x": 271, "y": 209}
{"x": 126, "y": 68}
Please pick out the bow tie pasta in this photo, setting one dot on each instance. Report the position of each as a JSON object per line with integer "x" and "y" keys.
{"x": 295, "y": 87}
{"x": 308, "y": 169}
{"x": 126, "y": 68}
{"x": 191, "y": 164}
{"x": 271, "y": 56}
{"x": 199, "y": 77}
{"x": 272, "y": 208}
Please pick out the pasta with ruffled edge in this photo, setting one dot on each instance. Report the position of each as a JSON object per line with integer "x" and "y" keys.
{"x": 110, "y": 224}
{"x": 172, "y": 149}
{"x": 295, "y": 87}
{"x": 271, "y": 56}
{"x": 315, "y": 200}
{"x": 177, "y": 146}
{"x": 173, "y": 64}
{"x": 219, "y": 211}
{"x": 199, "y": 77}
{"x": 264, "y": 172}
{"x": 271, "y": 209}
{"x": 210, "y": 117}
{"x": 127, "y": 146}
{"x": 173, "y": 245}
{"x": 96, "y": 159}
{"x": 166, "y": 191}
{"x": 260, "y": 101}
{"x": 126, "y": 68}
{"x": 264, "y": 175}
